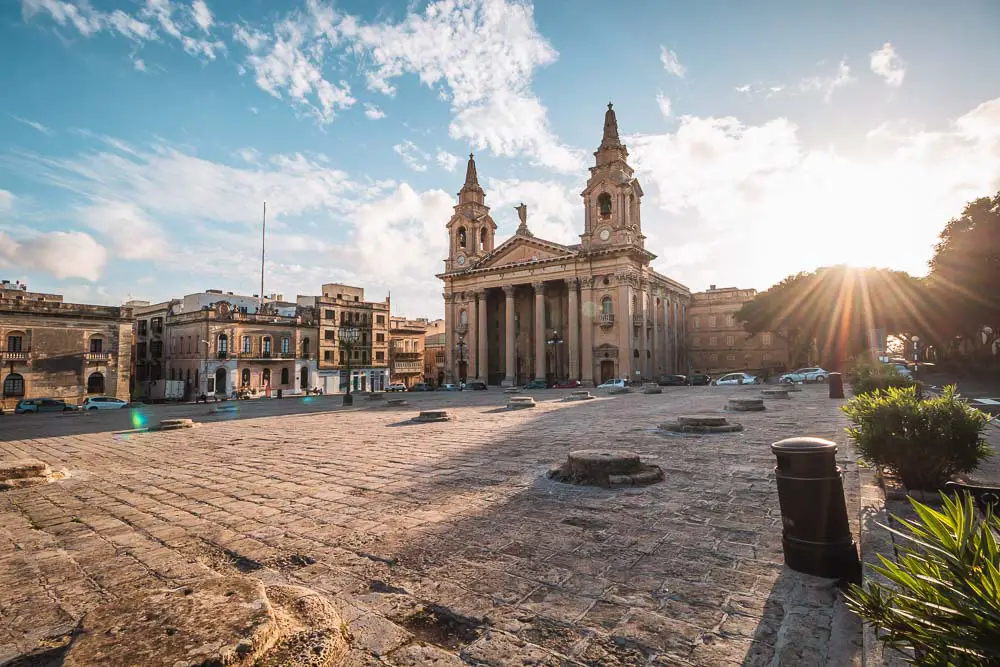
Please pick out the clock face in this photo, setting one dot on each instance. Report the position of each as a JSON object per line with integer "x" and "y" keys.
{"x": 461, "y": 260}
{"x": 605, "y": 234}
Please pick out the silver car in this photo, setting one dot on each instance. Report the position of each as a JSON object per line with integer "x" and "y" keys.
{"x": 103, "y": 403}
{"x": 737, "y": 378}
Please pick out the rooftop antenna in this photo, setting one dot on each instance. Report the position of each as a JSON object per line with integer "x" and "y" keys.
{"x": 263, "y": 231}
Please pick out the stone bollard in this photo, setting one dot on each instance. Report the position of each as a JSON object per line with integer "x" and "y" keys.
{"x": 816, "y": 536}
{"x": 836, "y": 385}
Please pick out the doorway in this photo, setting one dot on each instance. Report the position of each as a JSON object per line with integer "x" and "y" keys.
{"x": 607, "y": 370}
{"x": 304, "y": 378}
{"x": 220, "y": 381}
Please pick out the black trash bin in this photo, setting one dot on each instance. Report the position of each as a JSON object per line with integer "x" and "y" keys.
{"x": 836, "y": 385}
{"x": 816, "y": 536}
{"x": 279, "y": 394}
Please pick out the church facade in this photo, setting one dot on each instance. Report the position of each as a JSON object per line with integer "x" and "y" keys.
{"x": 531, "y": 309}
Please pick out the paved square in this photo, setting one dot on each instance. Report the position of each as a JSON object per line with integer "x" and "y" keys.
{"x": 440, "y": 543}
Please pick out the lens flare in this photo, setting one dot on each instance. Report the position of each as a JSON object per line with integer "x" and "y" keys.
{"x": 138, "y": 419}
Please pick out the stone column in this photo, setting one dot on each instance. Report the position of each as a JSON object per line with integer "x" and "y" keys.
{"x": 539, "y": 330}
{"x": 668, "y": 349}
{"x": 482, "y": 358}
{"x": 589, "y": 308}
{"x": 449, "y": 337}
{"x": 510, "y": 339}
{"x": 643, "y": 294}
{"x": 655, "y": 343}
{"x": 682, "y": 333}
{"x": 624, "y": 325}
{"x": 469, "y": 306}
{"x": 573, "y": 341}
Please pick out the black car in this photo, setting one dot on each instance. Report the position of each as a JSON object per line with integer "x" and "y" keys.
{"x": 476, "y": 385}
{"x": 699, "y": 379}
{"x": 421, "y": 386}
{"x": 672, "y": 380}
{"x": 30, "y": 405}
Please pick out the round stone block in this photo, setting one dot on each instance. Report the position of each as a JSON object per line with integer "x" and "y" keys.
{"x": 427, "y": 416}
{"x": 395, "y": 402}
{"x": 171, "y": 424}
{"x": 702, "y": 420}
{"x": 651, "y": 388}
{"x": 774, "y": 393}
{"x": 312, "y": 630}
{"x": 619, "y": 390}
{"x": 612, "y": 468}
{"x": 226, "y": 621}
{"x": 518, "y": 402}
{"x": 512, "y": 390}
{"x": 701, "y": 424}
{"x": 580, "y": 396}
{"x": 746, "y": 404}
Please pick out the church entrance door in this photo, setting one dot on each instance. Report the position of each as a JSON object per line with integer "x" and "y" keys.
{"x": 607, "y": 370}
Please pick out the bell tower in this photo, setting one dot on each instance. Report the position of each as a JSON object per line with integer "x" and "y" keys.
{"x": 471, "y": 230}
{"x": 612, "y": 196}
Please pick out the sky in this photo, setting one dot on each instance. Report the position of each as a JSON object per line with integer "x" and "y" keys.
{"x": 139, "y": 139}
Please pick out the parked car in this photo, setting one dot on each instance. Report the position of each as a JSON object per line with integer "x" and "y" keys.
{"x": 28, "y": 405}
{"x": 672, "y": 381}
{"x": 737, "y": 378}
{"x": 904, "y": 370}
{"x": 805, "y": 375}
{"x": 421, "y": 386}
{"x": 567, "y": 384}
{"x": 699, "y": 379}
{"x": 477, "y": 385}
{"x": 537, "y": 384}
{"x": 613, "y": 384}
{"x": 103, "y": 403}
{"x": 396, "y": 386}
{"x": 450, "y": 387}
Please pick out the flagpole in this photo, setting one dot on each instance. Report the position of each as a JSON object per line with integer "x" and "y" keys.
{"x": 263, "y": 231}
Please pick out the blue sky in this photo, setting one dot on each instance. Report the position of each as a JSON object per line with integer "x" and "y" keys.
{"x": 138, "y": 138}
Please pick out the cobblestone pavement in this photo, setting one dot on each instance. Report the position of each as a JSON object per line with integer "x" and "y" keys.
{"x": 440, "y": 543}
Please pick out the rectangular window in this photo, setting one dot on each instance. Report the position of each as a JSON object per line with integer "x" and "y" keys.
{"x": 342, "y": 356}
{"x": 730, "y": 341}
{"x": 330, "y": 315}
{"x": 14, "y": 344}
{"x": 143, "y": 327}
{"x": 156, "y": 349}
{"x": 713, "y": 357}
{"x": 697, "y": 323}
{"x": 712, "y": 322}
{"x": 189, "y": 345}
{"x": 96, "y": 345}
{"x": 696, "y": 341}
{"x": 713, "y": 340}
{"x": 211, "y": 385}
{"x": 380, "y": 319}
{"x": 380, "y": 356}
{"x": 730, "y": 357}
{"x": 328, "y": 355}
{"x": 284, "y": 346}
{"x": 265, "y": 346}
{"x": 247, "y": 346}
{"x": 140, "y": 350}
{"x": 157, "y": 325}
{"x": 380, "y": 338}
{"x": 765, "y": 339}
{"x": 328, "y": 334}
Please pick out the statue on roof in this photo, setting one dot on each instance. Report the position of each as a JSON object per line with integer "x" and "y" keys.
{"x": 522, "y": 213}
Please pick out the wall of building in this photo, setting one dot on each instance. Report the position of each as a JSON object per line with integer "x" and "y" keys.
{"x": 406, "y": 350}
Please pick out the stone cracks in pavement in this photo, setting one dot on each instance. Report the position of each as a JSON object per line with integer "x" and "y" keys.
{"x": 440, "y": 543}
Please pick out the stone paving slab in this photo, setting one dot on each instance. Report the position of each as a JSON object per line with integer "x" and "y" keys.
{"x": 441, "y": 543}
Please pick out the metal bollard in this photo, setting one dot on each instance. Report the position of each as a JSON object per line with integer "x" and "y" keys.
{"x": 836, "y": 385}
{"x": 816, "y": 537}
{"x": 279, "y": 393}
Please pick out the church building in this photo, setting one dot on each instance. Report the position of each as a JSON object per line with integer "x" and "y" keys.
{"x": 533, "y": 309}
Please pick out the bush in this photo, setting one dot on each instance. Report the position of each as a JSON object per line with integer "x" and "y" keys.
{"x": 869, "y": 378}
{"x": 924, "y": 442}
{"x": 944, "y": 597}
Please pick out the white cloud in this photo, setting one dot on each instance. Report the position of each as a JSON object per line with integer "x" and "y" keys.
{"x": 130, "y": 27}
{"x": 61, "y": 254}
{"x": 202, "y": 15}
{"x": 760, "y": 89}
{"x": 772, "y": 206}
{"x": 553, "y": 208}
{"x": 6, "y": 201}
{"x": 671, "y": 63}
{"x": 132, "y": 234}
{"x": 138, "y": 64}
{"x": 828, "y": 84}
{"x": 32, "y": 124}
{"x": 447, "y": 161}
{"x": 888, "y": 65}
{"x": 663, "y": 102}
{"x": 413, "y": 157}
{"x": 84, "y": 18}
{"x": 373, "y": 111}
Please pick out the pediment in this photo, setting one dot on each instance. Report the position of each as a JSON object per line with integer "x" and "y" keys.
{"x": 521, "y": 249}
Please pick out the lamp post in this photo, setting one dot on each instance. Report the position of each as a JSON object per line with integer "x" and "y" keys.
{"x": 553, "y": 341}
{"x": 348, "y": 338}
{"x": 461, "y": 358}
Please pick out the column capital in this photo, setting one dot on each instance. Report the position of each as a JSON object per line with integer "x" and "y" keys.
{"x": 539, "y": 287}
{"x": 572, "y": 283}
{"x": 588, "y": 282}
{"x": 480, "y": 293}
{"x": 508, "y": 290}
{"x": 449, "y": 297}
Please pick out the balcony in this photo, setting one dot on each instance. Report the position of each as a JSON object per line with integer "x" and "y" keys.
{"x": 606, "y": 319}
{"x": 103, "y": 357}
{"x": 407, "y": 367}
{"x": 267, "y": 355}
{"x": 637, "y": 320}
{"x": 399, "y": 354}
{"x": 14, "y": 356}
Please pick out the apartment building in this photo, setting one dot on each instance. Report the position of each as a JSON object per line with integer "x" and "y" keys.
{"x": 406, "y": 350}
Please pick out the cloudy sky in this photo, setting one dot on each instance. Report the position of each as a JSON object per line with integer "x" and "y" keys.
{"x": 139, "y": 138}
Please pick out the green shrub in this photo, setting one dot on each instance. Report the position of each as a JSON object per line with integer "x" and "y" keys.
{"x": 869, "y": 378}
{"x": 943, "y": 600}
{"x": 924, "y": 442}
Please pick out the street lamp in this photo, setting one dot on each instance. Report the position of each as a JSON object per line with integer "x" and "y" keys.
{"x": 555, "y": 340}
{"x": 461, "y": 358}
{"x": 348, "y": 338}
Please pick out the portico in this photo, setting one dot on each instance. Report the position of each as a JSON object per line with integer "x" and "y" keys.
{"x": 534, "y": 309}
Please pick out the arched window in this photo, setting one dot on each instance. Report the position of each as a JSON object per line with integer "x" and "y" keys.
{"x": 95, "y": 383}
{"x": 246, "y": 377}
{"x": 265, "y": 377}
{"x": 635, "y": 353}
{"x": 13, "y": 386}
{"x": 482, "y": 239}
{"x": 607, "y": 308}
{"x": 96, "y": 344}
{"x": 284, "y": 376}
{"x": 463, "y": 318}
{"x": 305, "y": 347}
{"x": 461, "y": 237}
{"x": 604, "y": 204}
{"x": 223, "y": 344}
{"x": 188, "y": 378}
{"x": 15, "y": 342}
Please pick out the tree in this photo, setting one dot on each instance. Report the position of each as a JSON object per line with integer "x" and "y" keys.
{"x": 965, "y": 274}
{"x": 835, "y": 308}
